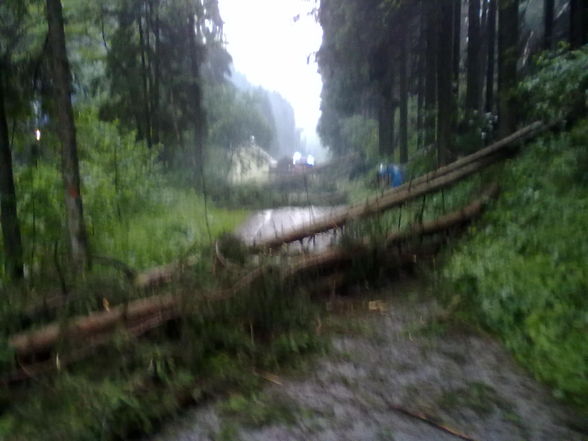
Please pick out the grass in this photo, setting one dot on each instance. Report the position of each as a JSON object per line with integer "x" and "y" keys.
{"x": 175, "y": 225}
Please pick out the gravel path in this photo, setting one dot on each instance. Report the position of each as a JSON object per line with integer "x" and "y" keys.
{"x": 394, "y": 351}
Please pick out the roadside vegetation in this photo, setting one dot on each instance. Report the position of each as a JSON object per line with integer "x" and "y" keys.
{"x": 522, "y": 273}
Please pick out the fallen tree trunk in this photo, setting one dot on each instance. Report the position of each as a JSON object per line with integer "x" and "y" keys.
{"x": 45, "y": 338}
{"x": 526, "y": 133}
{"x": 162, "y": 274}
{"x": 56, "y": 363}
{"x": 386, "y": 202}
{"x": 338, "y": 256}
{"x": 168, "y": 307}
{"x": 429, "y": 183}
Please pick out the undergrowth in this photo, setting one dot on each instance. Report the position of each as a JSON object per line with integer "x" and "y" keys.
{"x": 126, "y": 389}
{"x": 522, "y": 273}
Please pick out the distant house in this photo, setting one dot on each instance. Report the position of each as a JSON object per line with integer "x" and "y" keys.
{"x": 250, "y": 164}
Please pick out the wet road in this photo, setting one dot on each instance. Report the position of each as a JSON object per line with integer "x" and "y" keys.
{"x": 271, "y": 223}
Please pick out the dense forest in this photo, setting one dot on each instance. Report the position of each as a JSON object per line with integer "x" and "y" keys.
{"x": 427, "y": 74}
{"x": 125, "y": 294}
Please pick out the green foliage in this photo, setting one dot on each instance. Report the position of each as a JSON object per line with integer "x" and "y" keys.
{"x": 120, "y": 175}
{"x": 360, "y": 134}
{"x": 235, "y": 116}
{"x": 560, "y": 89}
{"x": 524, "y": 274}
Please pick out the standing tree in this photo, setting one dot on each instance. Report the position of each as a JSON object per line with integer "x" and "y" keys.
{"x": 578, "y": 25}
{"x": 508, "y": 55}
{"x": 403, "y": 80}
{"x": 474, "y": 64}
{"x": 61, "y": 78}
{"x": 490, "y": 64}
{"x": 548, "y": 19}
{"x": 446, "y": 102}
{"x": 9, "y": 218}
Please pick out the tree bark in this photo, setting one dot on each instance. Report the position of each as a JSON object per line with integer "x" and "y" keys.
{"x": 548, "y": 17}
{"x": 44, "y": 339}
{"x": 474, "y": 77}
{"x": 490, "y": 65}
{"x": 195, "y": 94}
{"x": 577, "y": 23}
{"x": 8, "y": 212}
{"x": 431, "y": 74}
{"x": 446, "y": 98}
{"x": 403, "y": 78}
{"x": 145, "y": 81}
{"x": 456, "y": 5}
{"x": 67, "y": 134}
{"x": 508, "y": 55}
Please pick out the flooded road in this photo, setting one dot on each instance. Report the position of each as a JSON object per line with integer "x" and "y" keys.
{"x": 401, "y": 354}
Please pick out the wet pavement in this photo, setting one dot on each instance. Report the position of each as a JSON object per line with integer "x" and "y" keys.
{"x": 392, "y": 348}
{"x": 267, "y": 224}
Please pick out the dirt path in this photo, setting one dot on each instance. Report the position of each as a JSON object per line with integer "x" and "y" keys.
{"x": 399, "y": 353}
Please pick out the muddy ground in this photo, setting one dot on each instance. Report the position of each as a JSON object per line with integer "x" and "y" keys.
{"x": 398, "y": 350}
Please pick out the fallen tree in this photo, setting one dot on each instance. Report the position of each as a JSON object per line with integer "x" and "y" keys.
{"x": 44, "y": 339}
{"x": 338, "y": 256}
{"x": 429, "y": 183}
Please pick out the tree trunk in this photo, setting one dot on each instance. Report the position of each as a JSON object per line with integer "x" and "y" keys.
{"x": 338, "y": 256}
{"x": 446, "y": 98}
{"x": 431, "y": 75}
{"x": 145, "y": 82}
{"x": 490, "y": 65}
{"x": 8, "y": 213}
{"x": 577, "y": 23}
{"x": 548, "y": 17}
{"x": 474, "y": 77}
{"x": 403, "y": 78}
{"x": 67, "y": 134}
{"x": 195, "y": 95}
{"x": 508, "y": 55}
{"x": 456, "y": 6}
{"x": 386, "y": 126}
{"x": 156, "y": 93}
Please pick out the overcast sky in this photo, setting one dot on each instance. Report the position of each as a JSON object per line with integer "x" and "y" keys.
{"x": 271, "y": 50}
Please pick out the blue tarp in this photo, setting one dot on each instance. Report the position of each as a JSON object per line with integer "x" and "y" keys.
{"x": 392, "y": 174}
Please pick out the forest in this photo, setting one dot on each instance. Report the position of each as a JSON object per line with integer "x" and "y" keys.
{"x": 128, "y": 294}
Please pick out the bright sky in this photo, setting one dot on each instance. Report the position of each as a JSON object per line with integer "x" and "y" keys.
{"x": 271, "y": 50}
